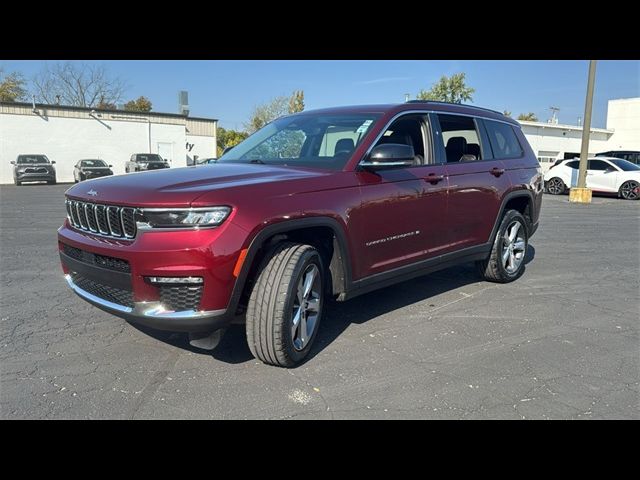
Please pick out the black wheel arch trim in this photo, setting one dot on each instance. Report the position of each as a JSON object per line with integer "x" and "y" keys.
{"x": 266, "y": 233}
{"x": 531, "y": 228}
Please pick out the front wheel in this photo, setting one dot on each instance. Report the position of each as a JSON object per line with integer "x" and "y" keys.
{"x": 630, "y": 190}
{"x": 285, "y": 306}
{"x": 506, "y": 261}
{"x": 556, "y": 186}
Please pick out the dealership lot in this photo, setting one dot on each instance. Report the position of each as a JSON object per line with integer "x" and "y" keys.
{"x": 561, "y": 342}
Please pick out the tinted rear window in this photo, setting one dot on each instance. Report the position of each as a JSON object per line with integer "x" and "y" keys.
{"x": 503, "y": 140}
{"x": 575, "y": 164}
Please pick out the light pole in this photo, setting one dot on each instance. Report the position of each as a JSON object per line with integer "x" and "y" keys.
{"x": 582, "y": 194}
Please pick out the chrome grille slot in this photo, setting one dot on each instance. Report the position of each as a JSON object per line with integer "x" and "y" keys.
{"x": 105, "y": 220}
{"x": 101, "y": 219}
{"x": 128, "y": 222}
{"x": 81, "y": 218}
{"x": 89, "y": 210}
{"x": 113, "y": 219}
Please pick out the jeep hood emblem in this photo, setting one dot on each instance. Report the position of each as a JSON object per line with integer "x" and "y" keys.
{"x": 92, "y": 192}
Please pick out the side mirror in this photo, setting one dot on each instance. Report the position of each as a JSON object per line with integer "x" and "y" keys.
{"x": 52, "y": 162}
{"x": 389, "y": 155}
{"x": 110, "y": 166}
{"x": 13, "y": 162}
{"x": 226, "y": 150}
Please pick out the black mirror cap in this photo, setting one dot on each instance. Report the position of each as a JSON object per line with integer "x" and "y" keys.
{"x": 52, "y": 162}
{"x": 13, "y": 162}
{"x": 390, "y": 155}
{"x": 110, "y": 166}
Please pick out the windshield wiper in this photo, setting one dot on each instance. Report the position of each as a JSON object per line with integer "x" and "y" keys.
{"x": 257, "y": 160}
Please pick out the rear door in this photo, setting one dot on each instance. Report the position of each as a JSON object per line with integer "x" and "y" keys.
{"x": 477, "y": 180}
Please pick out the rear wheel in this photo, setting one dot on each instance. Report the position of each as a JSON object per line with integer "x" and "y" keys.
{"x": 506, "y": 262}
{"x": 285, "y": 306}
{"x": 18, "y": 183}
{"x": 629, "y": 190}
{"x": 556, "y": 186}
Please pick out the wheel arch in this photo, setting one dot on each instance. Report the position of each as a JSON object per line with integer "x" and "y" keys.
{"x": 324, "y": 233}
{"x": 521, "y": 201}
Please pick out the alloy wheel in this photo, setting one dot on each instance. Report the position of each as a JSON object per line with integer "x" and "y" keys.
{"x": 629, "y": 190}
{"x": 514, "y": 247}
{"x": 306, "y": 307}
{"x": 555, "y": 186}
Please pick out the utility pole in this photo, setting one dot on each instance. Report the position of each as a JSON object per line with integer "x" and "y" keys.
{"x": 582, "y": 194}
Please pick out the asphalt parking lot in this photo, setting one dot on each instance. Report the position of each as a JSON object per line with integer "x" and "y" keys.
{"x": 562, "y": 342}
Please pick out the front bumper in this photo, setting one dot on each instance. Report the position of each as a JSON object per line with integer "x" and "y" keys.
{"x": 210, "y": 254}
{"x": 35, "y": 177}
{"x": 153, "y": 314}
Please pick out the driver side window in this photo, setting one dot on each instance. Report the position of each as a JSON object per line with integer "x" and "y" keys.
{"x": 408, "y": 130}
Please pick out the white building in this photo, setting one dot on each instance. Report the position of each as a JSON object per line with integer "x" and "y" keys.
{"x": 553, "y": 141}
{"x": 67, "y": 134}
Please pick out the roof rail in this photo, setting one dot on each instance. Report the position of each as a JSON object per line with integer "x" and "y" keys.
{"x": 451, "y": 103}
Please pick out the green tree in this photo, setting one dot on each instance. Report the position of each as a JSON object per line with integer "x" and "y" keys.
{"x": 140, "y": 104}
{"x": 104, "y": 105}
{"x": 529, "y": 117}
{"x": 12, "y": 87}
{"x": 296, "y": 101}
{"x": 507, "y": 113}
{"x": 451, "y": 89}
{"x": 275, "y": 108}
{"x": 229, "y": 138}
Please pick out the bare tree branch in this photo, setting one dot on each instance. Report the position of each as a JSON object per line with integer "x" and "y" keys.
{"x": 78, "y": 84}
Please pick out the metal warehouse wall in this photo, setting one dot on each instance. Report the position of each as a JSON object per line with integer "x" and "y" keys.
{"x": 65, "y": 140}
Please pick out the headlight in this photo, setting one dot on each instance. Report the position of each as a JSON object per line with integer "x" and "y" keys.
{"x": 182, "y": 218}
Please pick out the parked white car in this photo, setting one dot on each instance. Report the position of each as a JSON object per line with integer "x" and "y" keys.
{"x": 604, "y": 175}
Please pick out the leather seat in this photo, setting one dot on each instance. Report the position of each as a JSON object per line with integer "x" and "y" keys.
{"x": 473, "y": 149}
{"x": 344, "y": 146}
{"x": 456, "y": 148}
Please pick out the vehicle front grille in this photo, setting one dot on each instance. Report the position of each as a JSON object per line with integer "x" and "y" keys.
{"x": 108, "y": 220}
{"x": 111, "y": 263}
{"x": 35, "y": 170}
{"x": 184, "y": 297}
{"x": 106, "y": 292}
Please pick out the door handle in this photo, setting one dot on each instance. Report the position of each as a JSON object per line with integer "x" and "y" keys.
{"x": 432, "y": 178}
{"x": 496, "y": 172}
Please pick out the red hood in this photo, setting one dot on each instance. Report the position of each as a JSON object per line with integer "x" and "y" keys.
{"x": 179, "y": 187}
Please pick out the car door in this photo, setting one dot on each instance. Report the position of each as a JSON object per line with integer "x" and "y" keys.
{"x": 602, "y": 176}
{"x": 402, "y": 216}
{"x": 477, "y": 180}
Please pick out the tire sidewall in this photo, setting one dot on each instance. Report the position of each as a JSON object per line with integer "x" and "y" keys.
{"x": 510, "y": 216}
{"x": 620, "y": 191}
{"x": 309, "y": 257}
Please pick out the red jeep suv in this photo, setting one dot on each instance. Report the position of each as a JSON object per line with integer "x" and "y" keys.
{"x": 322, "y": 204}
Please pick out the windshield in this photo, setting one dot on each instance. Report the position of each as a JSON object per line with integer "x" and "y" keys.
{"x": 33, "y": 159}
{"x": 308, "y": 140}
{"x": 151, "y": 157}
{"x": 625, "y": 165}
{"x": 93, "y": 163}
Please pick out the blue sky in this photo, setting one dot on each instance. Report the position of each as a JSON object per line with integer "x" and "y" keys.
{"x": 228, "y": 90}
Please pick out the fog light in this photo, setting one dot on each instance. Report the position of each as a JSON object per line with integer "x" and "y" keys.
{"x": 175, "y": 280}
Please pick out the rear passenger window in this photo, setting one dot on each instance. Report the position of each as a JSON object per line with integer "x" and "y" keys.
{"x": 575, "y": 164}
{"x": 460, "y": 137}
{"x": 597, "y": 165}
{"x": 503, "y": 140}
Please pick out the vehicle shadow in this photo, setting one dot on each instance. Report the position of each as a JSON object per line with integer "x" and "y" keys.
{"x": 338, "y": 316}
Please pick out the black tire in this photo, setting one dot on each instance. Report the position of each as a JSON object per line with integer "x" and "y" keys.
{"x": 555, "y": 186}
{"x": 493, "y": 268}
{"x": 272, "y": 303}
{"x": 628, "y": 190}
{"x": 18, "y": 184}
{"x": 51, "y": 182}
